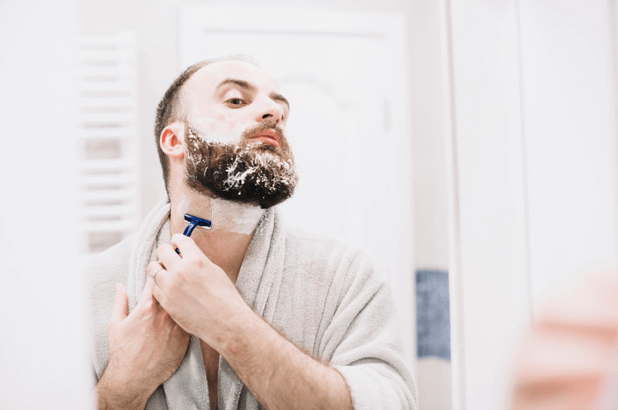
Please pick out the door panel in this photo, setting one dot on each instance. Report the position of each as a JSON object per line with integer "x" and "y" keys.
{"x": 344, "y": 75}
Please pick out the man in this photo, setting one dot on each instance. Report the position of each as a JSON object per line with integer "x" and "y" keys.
{"x": 249, "y": 313}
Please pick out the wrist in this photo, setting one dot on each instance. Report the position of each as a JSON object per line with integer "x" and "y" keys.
{"x": 112, "y": 395}
{"x": 229, "y": 328}
{"x": 249, "y": 334}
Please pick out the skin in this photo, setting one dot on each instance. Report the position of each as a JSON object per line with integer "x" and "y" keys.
{"x": 152, "y": 360}
{"x": 567, "y": 353}
{"x": 195, "y": 293}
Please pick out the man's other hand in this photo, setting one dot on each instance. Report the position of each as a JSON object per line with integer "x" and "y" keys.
{"x": 146, "y": 347}
{"x": 566, "y": 356}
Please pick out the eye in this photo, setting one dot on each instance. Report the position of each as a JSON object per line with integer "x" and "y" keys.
{"x": 236, "y": 101}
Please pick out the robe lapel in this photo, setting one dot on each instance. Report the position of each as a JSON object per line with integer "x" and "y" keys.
{"x": 258, "y": 283}
{"x": 187, "y": 388}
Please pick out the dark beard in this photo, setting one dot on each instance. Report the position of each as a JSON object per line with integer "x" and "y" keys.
{"x": 249, "y": 172}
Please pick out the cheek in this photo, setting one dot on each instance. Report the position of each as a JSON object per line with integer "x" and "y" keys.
{"x": 223, "y": 128}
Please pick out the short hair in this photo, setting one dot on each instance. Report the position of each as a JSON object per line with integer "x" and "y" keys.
{"x": 171, "y": 107}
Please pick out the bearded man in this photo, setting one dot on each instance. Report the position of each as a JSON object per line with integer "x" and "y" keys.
{"x": 249, "y": 313}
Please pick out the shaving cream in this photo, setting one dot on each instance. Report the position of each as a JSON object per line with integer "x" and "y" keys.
{"x": 225, "y": 215}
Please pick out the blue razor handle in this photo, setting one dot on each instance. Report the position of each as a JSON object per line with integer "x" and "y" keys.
{"x": 193, "y": 222}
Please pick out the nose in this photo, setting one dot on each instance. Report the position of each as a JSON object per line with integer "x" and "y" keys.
{"x": 268, "y": 109}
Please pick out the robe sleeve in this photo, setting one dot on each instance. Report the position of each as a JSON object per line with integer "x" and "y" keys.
{"x": 363, "y": 340}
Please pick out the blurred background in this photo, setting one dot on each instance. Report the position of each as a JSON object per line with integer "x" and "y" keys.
{"x": 470, "y": 146}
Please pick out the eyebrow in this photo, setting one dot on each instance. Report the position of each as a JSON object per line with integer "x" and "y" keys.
{"x": 248, "y": 86}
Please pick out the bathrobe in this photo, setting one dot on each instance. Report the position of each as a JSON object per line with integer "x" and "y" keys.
{"x": 324, "y": 296}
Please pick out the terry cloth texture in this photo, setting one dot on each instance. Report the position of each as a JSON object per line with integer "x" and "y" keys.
{"x": 325, "y": 297}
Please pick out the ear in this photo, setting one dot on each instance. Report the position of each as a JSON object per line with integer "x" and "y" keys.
{"x": 172, "y": 140}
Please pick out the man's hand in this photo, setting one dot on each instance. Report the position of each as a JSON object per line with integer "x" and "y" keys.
{"x": 204, "y": 301}
{"x": 567, "y": 353}
{"x": 197, "y": 293}
{"x": 146, "y": 347}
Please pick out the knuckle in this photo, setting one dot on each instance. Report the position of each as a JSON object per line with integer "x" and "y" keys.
{"x": 199, "y": 262}
{"x": 179, "y": 238}
{"x": 196, "y": 261}
{"x": 172, "y": 286}
{"x": 160, "y": 250}
{"x": 148, "y": 305}
{"x": 180, "y": 272}
{"x": 148, "y": 309}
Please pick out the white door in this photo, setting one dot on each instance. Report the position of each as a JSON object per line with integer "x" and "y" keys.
{"x": 345, "y": 77}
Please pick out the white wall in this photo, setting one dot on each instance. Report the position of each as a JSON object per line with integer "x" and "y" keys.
{"x": 570, "y": 136}
{"x": 43, "y": 354}
{"x": 532, "y": 90}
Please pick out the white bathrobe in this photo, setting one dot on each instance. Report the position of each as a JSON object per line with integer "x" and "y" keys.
{"x": 324, "y": 296}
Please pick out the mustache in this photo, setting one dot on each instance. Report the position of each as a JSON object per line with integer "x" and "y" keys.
{"x": 267, "y": 124}
{"x": 247, "y": 134}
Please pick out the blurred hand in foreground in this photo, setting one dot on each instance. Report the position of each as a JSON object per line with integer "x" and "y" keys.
{"x": 567, "y": 354}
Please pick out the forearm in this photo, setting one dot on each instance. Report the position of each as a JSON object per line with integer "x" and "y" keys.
{"x": 112, "y": 396}
{"x": 278, "y": 373}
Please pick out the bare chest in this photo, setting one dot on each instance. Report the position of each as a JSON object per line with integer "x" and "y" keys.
{"x": 211, "y": 365}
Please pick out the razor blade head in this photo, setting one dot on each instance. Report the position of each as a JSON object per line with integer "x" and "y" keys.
{"x": 193, "y": 222}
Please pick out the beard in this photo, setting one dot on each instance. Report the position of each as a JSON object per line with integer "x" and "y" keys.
{"x": 248, "y": 172}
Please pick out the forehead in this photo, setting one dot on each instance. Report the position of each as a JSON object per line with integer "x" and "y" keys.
{"x": 207, "y": 78}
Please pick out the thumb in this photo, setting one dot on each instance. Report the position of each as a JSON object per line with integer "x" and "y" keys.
{"x": 119, "y": 309}
{"x": 147, "y": 292}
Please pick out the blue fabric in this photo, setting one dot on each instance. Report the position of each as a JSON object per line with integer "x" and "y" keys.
{"x": 432, "y": 314}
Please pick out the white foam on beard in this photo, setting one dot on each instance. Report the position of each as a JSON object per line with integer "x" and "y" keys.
{"x": 281, "y": 169}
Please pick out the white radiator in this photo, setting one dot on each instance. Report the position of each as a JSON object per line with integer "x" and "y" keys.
{"x": 108, "y": 137}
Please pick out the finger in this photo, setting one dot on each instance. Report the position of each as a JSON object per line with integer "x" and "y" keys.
{"x": 146, "y": 293}
{"x": 157, "y": 293}
{"x": 168, "y": 257}
{"x": 158, "y": 276}
{"x": 562, "y": 355}
{"x": 186, "y": 245}
{"x": 159, "y": 290}
{"x": 153, "y": 269}
{"x": 120, "y": 306}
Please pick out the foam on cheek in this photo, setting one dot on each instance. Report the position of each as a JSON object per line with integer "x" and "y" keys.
{"x": 214, "y": 131}
{"x": 183, "y": 206}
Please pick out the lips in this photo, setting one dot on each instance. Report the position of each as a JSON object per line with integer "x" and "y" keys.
{"x": 268, "y": 137}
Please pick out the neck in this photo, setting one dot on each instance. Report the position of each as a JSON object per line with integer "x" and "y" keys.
{"x": 233, "y": 225}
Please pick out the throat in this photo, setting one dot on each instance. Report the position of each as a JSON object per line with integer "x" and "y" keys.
{"x": 226, "y": 216}
{"x": 233, "y": 226}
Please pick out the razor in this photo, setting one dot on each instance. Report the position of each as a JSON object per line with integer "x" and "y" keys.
{"x": 194, "y": 221}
